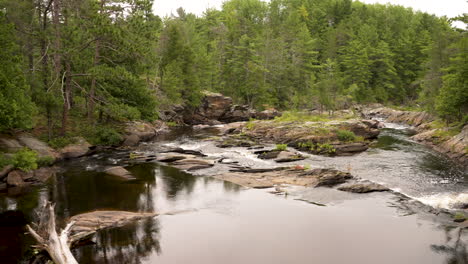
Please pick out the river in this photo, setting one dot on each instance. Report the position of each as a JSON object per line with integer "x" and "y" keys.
{"x": 210, "y": 221}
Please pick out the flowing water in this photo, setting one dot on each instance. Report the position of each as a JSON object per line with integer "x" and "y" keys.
{"x": 210, "y": 221}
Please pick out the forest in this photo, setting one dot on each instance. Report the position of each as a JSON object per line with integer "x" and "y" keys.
{"x": 68, "y": 66}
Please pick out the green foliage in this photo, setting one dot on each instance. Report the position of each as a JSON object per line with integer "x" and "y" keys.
{"x": 61, "y": 142}
{"x": 460, "y": 217}
{"x": 281, "y": 147}
{"x": 318, "y": 148}
{"x": 45, "y": 161}
{"x": 172, "y": 124}
{"x": 16, "y": 108}
{"x": 5, "y": 160}
{"x": 104, "y": 136}
{"x": 294, "y": 116}
{"x": 25, "y": 160}
{"x": 346, "y": 135}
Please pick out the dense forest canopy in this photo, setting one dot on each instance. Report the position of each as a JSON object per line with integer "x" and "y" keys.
{"x": 114, "y": 60}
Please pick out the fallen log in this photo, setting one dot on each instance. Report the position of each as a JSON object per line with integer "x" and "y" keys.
{"x": 78, "y": 228}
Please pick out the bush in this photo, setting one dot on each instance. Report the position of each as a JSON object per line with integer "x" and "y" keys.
{"x": 5, "y": 160}
{"x": 105, "y": 136}
{"x": 281, "y": 147}
{"x": 25, "y": 160}
{"x": 61, "y": 142}
{"x": 346, "y": 135}
{"x": 45, "y": 161}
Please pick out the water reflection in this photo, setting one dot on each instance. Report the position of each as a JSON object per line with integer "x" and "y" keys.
{"x": 455, "y": 246}
{"x": 130, "y": 244}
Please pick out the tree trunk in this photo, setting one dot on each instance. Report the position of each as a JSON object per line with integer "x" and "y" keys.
{"x": 66, "y": 98}
{"x": 92, "y": 89}
{"x": 46, "y": 235}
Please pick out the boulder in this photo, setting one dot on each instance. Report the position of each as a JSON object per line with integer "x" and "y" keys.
{"x": 328, "y": 177}
{"x": 192, "y": 164}
{"x": 120, "y": 172}
{"x": 364, "y": 187}
{"x": 15, "y": 179}
{"x": 343, "y": 149}
{"x": 267, "y": 114}
{"x": 137, "y": 131}
{"x": 76, "y": 150}
{"x": 215, "y": 105}
{"x": 268, "y": 154}
{"x": 4, "y": 172}
{"x": 45, "y": 173}
{"x": 238, "y": 113}
{"x": 39, "y": 146}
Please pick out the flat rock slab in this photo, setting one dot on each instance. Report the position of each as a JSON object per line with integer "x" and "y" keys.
{"x": 364, "y": 187}
{"x": 89, "y": 223}
{"x": 39, "y": 146}
{"x": 120, "y": 172}
{"x": 79, "y": 149}
{"x": 270, "y": 177}
{"x": 192, "y": 164}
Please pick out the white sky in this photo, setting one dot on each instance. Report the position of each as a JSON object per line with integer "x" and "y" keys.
{"x": 449, "y": 8}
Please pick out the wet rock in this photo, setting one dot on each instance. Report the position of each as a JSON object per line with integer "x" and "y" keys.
{"x": 185, "y": 151}
{"x": 76, "y": 150}
{"x": 138, "y": 131}
{"x": 39, "y": 146}
{"x": 131, "y": 140}
{"x": 235, "y": 142}
{"x": 120, "y": 172}
{"x": 171, "y": 157}
{"x": 254, "y": 178}
{"x": 3, "y": 187}
{"x": 4, "y": 172}
{"x": 192, "y": 164}
{"x": 15, "y": 179}
{"x": 45, "y": 173}
{"x": 268, "y": 154}
{"x": 364, "y": 187}
{"x": 286, "y": 156}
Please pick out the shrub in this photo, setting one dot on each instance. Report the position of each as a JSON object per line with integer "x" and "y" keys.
{"x": 171, "y": 124}
{"x": 4, "y": 160}
{"x": 45, "y": 161}
{"x": 25, "y": 160}
{"x": 106, "y": 136}
{"x": 281, "y": 147}
{"x": 61, "y": 142}
{"x": 346, "y": 135}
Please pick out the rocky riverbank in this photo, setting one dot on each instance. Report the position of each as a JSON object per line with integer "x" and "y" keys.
{"x": 14, "y": 180}
{"x": 452, "y": 142}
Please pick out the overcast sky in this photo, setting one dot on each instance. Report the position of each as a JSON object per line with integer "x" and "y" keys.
{"x": 448, "y": 8}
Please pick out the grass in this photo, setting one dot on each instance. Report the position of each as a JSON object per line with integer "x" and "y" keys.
{"x": 317, "y": 147}
{"x": 281, "y": 147}
{"x": 346, "y": 135}
{"x": 171, "y": 124}
{"x": 293, "y": 116}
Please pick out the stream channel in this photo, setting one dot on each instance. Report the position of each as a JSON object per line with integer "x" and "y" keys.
{"x": 206, "y": 220}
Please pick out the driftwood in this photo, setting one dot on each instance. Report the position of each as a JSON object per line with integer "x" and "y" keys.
{"x": 78, "y": 228}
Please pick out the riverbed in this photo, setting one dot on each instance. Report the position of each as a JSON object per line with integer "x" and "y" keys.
{"x": 206, "y": 220}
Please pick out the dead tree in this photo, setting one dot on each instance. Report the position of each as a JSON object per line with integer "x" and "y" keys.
{"x": 45, "y": 233}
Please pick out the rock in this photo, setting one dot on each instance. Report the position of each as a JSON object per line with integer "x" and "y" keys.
{"x": 45, "y": 173}
{"x": 287, "y": 156}
{"x": 269, "y": 177}
{"x": 76, "y": 150}
{"x": 329, "y": 177}
{"x": 15, "y": 179}
{"x": 3, "y": 187}
{"x": 268, "y": 154}
{"x": 192, "y": 164}
{"x": 215, "y": 105}
{"x": 238, "y": 113}
{"x": 4, "y": 172}
{"x": 185, "y": 151}
{"x": 364, "y": 187}
{"x": 39, "y": 146}
{"x": 267, "y": 114}
{"x": 9, "y": 144}
{"x": 171, "y": 157}
{"x": 120, "y": 172}
{"x": 342, "y": 149}
{"x": 137, "y": 131}
{"x": 131, "y": 140}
